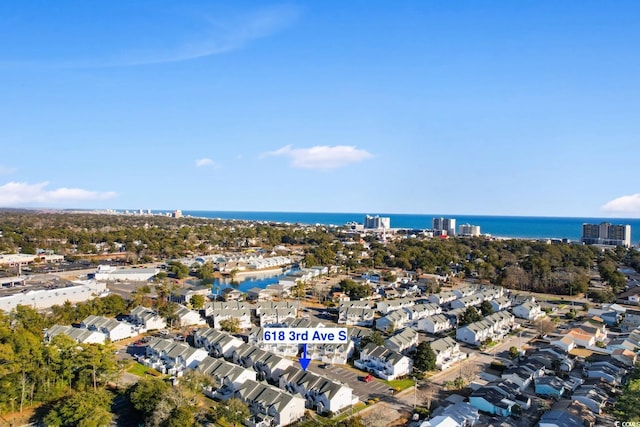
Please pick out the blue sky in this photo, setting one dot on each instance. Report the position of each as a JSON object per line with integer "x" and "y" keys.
{"x": 506, "y": 108}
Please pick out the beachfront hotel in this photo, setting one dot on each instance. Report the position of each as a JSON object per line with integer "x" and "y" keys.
{"x": 444, "y": 226}
{"x": 607, "y": 234}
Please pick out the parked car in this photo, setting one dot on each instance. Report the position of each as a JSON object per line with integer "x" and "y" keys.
{"x": 368, "y": 378}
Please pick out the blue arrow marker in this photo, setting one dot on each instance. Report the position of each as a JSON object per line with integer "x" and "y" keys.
{"x": 304, "y": 362}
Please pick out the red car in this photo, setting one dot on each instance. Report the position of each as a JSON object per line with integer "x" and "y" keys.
{"x": 368, "y": 378}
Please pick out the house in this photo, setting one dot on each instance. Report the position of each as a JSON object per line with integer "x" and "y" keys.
{"x": 435, "y": 324}
{"x": 255, "y": 336}
{"x": 183, "y": 296}
{"x": 595, "y": 328}
{"x": 518, "y": 375}
{"x": 243, "y": 317}
{"x": 468, "y": 301}
{"x": 420, "y": 311}
{"x": 459, "y": 414}
{"x": 631, "y": 319}
{"x": 581, "y": 338}
{"x": 386, "y": 307}
{"x": 355, "y": 316}
{"x": 360, "y": 303}
{"x": 491, "y": 327}
{"x": 626, "y": 357}
{"x": 188, "y": 317}
{"x": 567, "y": 413}
{"x": 395, "y": 320}
{"x": 320, "y": 393}
{"x": 565, "y": 343}
{"x": 404, "y": 341}
{"x": 592, "y": 397}
{"x": 217, "y": 343}
{"x": 551, "y": 386}
{"x": 606, "y": 371}
{"x": 465, "y": 291}
{"x": 230, "y": 294}
{"x": 529, "y": 310}
{"x": 447, "y": 351}
{"x": 383, "y": 362}
{"x": 609, "y": 317}
{"x": 172, "y": 357}
{"x": 258, "y": 294}
{"x": 442, "y": 298}
{"x": 276, "y": 316}
{"x": 491, "y": 401}
{"x": 271, "y": 366}
{"x": 500, "y": 304}
{"x": 148, "y": 319}
{"x": 275, "y": 305}
{"x": 228, "y": 376}
{"x": 79, "y": 335}
{"x": 630, "y": 297}
{"x": 112, "y": 328}
{"x": 212, "y": 307}
{"x": 269, "y": 405}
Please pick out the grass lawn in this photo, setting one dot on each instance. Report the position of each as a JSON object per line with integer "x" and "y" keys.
{"x": 142, "y": 371}
{"x": 400, "y": 385}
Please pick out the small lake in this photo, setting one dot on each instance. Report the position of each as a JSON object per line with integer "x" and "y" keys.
{"x": 244, "y": 282}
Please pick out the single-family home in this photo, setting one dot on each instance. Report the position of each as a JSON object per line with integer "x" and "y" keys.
{"x": 631, "y": 319}
{"x": 383, "y": 362}
{"x": 567, "y": 413}
{"x": 258, "y": 294}
{"x": 551, "y": 386}
{"x": 592, "y": 397}
{"x": 564, "y": 343}
{"x": 230, "y": 294}
{"x": 491, "y": 401}
{"x": 460, "y": 414}
{"x": 435, "y": 324}
{"x": 529, "y": 310}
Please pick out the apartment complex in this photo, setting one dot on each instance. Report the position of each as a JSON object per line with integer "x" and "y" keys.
{"x": 377, "y": 222}
{"x": 606, "y": 233}
{"x": 444, "y": 227}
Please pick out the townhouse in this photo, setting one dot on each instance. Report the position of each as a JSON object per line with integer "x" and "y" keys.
{"x": 395, "y": 320}
{"x": 243, "y": 317}
{"x": 227, "y": 376}
{"x": 79, "y": 335}
{"x": 172, "y": 357}
{"x": 404, "y": 341}
{"x": 269, "y": 405}
{"x": 465, "y": 291}
{"x": 383, "y": 362}
{"x": 217, "y": 343}
{"x": 212, "y": 307}
{"x": 468, "y": 301}
{"x": 276, "y": 316}
{"x": 529, "y": 310}
{"x": 188, "y": 317}
{"x": 447, "y": 351}
{"x": 492, "y": 327}
{"x": 147, "y": 319}
{"x": 386, "y": 307}
{"x": 501, "y": 303}
{"x": 112, "y": 328}
{"x": 276, "y": 305}
{"x": 355, "y": 316}
{"x": 442, "y": 298}
{"x": 436, "y": 324}
{"x": 320, "y": 393}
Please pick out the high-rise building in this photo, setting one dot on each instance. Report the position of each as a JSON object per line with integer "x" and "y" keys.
{"x": 444, "y": 226}
{"x": 177, "y": 213}
{"x": 377, "y": 222}
{"x": 606, "y": 233}
{"x": 469, "y": 230}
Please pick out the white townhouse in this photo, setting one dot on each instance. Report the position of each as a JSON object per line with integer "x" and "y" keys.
{"x": 172, "y": 357}
{"x": 188, "y": 317}
{"x": 112, "y": 328}
{"x": 276, "y": 316}
{"x": 255, "y": 337}
{"x": 217, "y": 343}
{"x": 79, "y": 335}
{"x": 148, "y": 319}
{"x": 356, "y": 316}
{"x": 500, "y": 304}
{"x": 359, "y": 303}
{"x": 420, "y": 311}
{"x": 320, "y": 393}
{"x": 494, "y": 326}
{"x": 397, "y": 319}
{"x": 276, "y": 305}
{"x": 465, "y": 291}
{"x": 443, "y": 298}
{"x": 331, "y": 353}
{"x": 529, "y": 310}
{"x": 489, "y": 293}
{"x": 403, "y": 342}
{"x": 388, "y": 306}
{"x": 211, "y": 307}
{"x": 468, "y": 301}
{"x": 269, "y": 405}
{"x": 242, "y": 316}
{"x": 447, "y": 351}
{"x": 228, "y": 376}
{"x": 435, "y": 324}
{"x": 383, "y": 362}
{"x": 271, "y": 366}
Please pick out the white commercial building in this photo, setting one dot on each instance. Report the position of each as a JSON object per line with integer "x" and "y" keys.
{"x": 39, "y": 298}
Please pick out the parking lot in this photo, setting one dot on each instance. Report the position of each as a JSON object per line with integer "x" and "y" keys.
{"x": 353, "y": 378}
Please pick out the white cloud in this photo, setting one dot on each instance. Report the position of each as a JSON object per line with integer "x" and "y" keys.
{"x": 626, "y": 204}
{"x": 322, "y": 156}
{"x": 206, "y": 162}
{"x": 23, "y": 193}
{"x": 6, "y": 170}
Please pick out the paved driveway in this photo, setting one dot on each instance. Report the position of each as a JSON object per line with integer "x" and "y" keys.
{"x": 352, "y": 377}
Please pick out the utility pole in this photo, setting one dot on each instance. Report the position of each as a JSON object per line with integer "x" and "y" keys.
{"x": 415, "y": 393}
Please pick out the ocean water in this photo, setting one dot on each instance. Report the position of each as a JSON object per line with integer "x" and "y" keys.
{"x": 502, "y": 226}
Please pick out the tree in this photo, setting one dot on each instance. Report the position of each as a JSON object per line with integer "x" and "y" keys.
{"x": 513, "y": 352}
{"x": 179, "y": 270}
{"x": 470, "y": 315}
{"x": 544, "y": 326}
{"x": 354, "y": 289}
{"x": 486, "y": 308}
{"x": 425, "y": 358}
{"x": 231, "y": 325}
{"x": 469, "y": 372}
{"x": 355, "y": 421}
{"x": 197, "y": 301}
{"x": 146, "y": 394}
{"x": 234, "y": 411}
{"x": 375, "y": 337}
{"x": 82, "y": 409}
